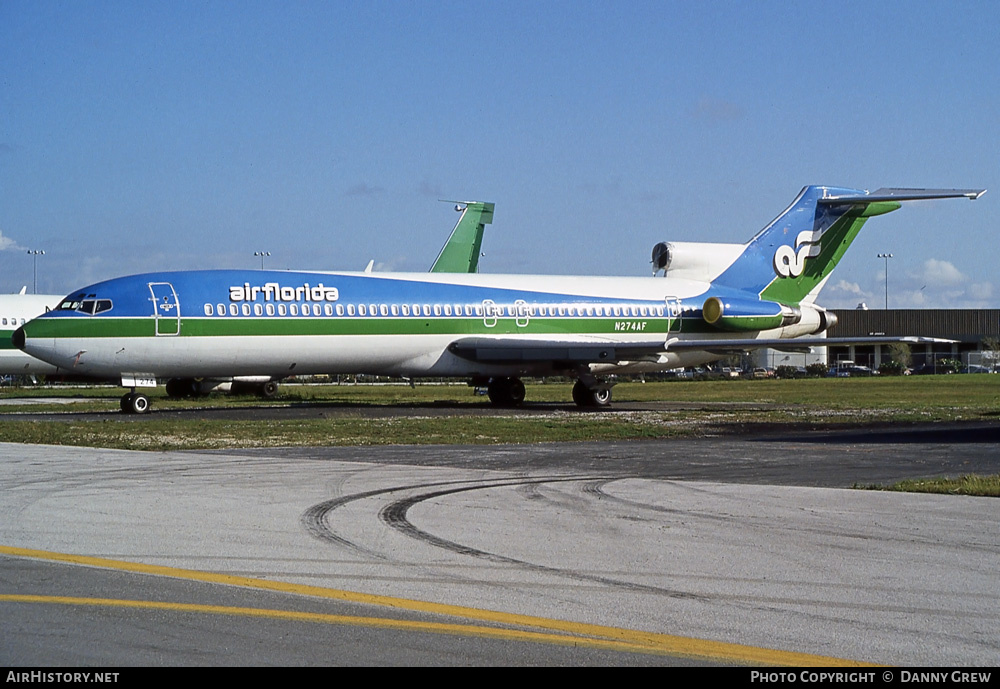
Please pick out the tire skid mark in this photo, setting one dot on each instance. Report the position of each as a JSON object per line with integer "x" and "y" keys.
{"x": 314, "y": 519}
{"x": 597, "y": 488}
{"x": 395, "y": 515}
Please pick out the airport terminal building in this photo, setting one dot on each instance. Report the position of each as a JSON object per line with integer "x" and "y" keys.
{"x": 969, "y": 327}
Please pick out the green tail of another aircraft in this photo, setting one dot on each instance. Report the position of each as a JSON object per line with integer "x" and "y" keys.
{"x": 460, "y": 253}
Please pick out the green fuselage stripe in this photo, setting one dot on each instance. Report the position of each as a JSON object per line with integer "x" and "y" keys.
{"x": 236, "y": 326}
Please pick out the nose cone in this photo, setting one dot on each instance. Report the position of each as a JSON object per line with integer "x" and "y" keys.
{"x": 18, "y": 338}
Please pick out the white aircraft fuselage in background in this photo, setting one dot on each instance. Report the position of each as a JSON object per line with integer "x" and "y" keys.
{"x": 15, "y": 311}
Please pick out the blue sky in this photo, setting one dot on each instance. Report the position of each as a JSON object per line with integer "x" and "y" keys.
{"x": 141, "y": 136}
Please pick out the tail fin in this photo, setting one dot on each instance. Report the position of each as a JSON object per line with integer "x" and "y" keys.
{"x": 790, "y": 259}
{"x": 460, "y": 254}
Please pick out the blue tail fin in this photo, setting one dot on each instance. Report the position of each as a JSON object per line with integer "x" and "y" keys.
{"x": 790, "y": 259}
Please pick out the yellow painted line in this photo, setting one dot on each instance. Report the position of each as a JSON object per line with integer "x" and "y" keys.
{"x": 353, "y": 620}
{"x": 635, "y": 640}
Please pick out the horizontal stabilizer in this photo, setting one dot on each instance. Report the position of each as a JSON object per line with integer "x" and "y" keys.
{"x": 895, "y": 194}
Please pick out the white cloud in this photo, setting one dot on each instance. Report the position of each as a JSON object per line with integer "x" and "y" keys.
{"x": 933, "y": 284}
{"x": 848, "y": 288}
{"x": 845, "y": 295}
{"x": 940, "y": 273}
{"x": 8, "y": 244}
{"x": 981, "y": 290}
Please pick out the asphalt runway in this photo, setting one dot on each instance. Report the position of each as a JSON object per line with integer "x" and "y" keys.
{"x": 707, "y": 551}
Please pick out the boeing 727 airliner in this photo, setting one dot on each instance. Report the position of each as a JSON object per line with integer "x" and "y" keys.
{"x": 490, "y": 329}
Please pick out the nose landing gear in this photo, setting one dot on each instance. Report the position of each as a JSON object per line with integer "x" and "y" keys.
{"x": 134, "y": 403}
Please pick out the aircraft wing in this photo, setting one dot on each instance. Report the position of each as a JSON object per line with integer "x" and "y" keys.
{"x": 578, "y": 351}
{"x": 593, "y": 351}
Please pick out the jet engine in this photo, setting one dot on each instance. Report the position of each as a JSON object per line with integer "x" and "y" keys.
{"x": 745, "y": 315}
{"x": 700, "y": 261}
{"x": 751, "y": 315}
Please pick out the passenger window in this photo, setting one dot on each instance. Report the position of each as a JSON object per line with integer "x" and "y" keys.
{"x": 234, "y": 310}
{"x": 220, "y": 309}
{"x": 208, "y": 312}
{"x": 258, "y": 309}
{"x": 282, "y": 309}
{"x": 269, "y": 309}
{"x": 340, "y": 309}
{"x": 406, "y": 309}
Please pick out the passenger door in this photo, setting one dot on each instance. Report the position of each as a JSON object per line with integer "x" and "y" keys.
{"x": 166, "y": 308}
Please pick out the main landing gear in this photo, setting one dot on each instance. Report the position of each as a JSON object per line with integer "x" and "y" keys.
{"x": 200, "y": 387}
{"x": 134, "y": 403}
{"x": 507, "y": 391}
{"x": 585, "y": 396}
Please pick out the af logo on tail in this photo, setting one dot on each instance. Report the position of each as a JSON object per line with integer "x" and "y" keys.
{"x": 789, "y": 262}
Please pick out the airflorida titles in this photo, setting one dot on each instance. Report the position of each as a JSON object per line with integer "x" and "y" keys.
{"x": 272, "y": 291}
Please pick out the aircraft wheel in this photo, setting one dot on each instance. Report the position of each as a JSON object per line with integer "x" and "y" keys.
{"x": 134, "y": 403}
{"x": 585, "y": 397}
{"x": 506, "y": 392}
{"x": 515, "y": 391}
{"x": 268, "y": 390}
{"x": 138, "y": 403}
{"x": 177, "y": 387}
{"x": 602, "y": 397}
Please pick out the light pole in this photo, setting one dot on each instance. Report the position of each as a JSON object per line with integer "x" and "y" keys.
{"x": 262, "y": 254}
{"x": 886, "y": 257}
{"x": 34, "y": 253}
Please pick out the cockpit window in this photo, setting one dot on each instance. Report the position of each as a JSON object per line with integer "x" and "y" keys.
{"x": 88, "y": 306}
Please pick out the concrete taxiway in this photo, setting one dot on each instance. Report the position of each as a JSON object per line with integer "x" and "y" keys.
{"x": 718, "y": 550}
